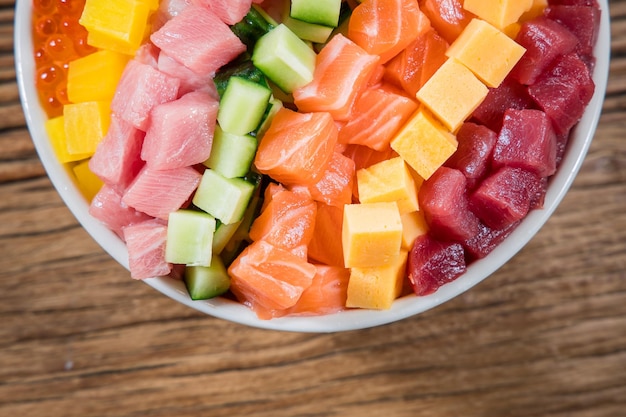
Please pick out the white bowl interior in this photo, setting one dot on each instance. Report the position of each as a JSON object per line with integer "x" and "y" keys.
{"x": 347, "y": 320}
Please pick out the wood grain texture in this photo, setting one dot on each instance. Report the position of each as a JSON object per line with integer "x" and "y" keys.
{"x": 544, "y": 336}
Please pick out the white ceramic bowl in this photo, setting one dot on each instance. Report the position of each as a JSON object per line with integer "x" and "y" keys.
{"x": 348, "y": 320}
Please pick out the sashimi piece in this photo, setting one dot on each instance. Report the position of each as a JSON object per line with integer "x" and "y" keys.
{"x": 386, "y": 27}
{"x": 181, "y": 132}
{"x": 364, "y": 156}
{"x": 582, "y": 21}
{"x": 160, "y": 192}
{"x": 377, "y": 115}
{"x": 342, "y": 70}
{"x": 324, "y": 246}
{"x": 107, "y": 207}
{"x": 448, "y": 17}
{"x": 198, "y": 39}
{"x": 486, "y": 240}
{"x": 297, "y": 147}
{"x": 474, "y": 154}
{"x": 147, "y": 54}
{"x": 269, "y": 279}
{"x": 189, "y": 80}
{"x": 230, "y": 11}
{"x": 117, "y": 159}
{"x": 146, "y": 249}
{"x": 327, "y": 293}
{"x": 335, "y": 186}
{"x": 140, "y": 88}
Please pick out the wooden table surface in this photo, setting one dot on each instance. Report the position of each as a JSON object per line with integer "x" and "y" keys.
{"x": 544, "y": 336}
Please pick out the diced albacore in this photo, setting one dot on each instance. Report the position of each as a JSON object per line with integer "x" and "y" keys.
{"x": 146, "y": 247}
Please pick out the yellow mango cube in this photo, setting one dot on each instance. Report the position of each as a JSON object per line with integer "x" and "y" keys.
{"x": 499, "y": 13}
{"x": 424, "y": 143}
{"x": 371, "y": 234}
{"x": 452, "y": 93}
{"x": 413, "y": 226}
{"x": 377, "y": 287}
{"x": 85, "y": 125}
{"x": 55, "y": 128}
{"x": 389, "y": 181}
{"x": 488, "y": 52}
{"x": 118, "y": 25}
{"x": 95, "y": 77}
{"x": 88, "y": 182}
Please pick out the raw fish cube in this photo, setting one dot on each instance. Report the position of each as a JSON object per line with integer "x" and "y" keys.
{"x": 107, "y": 207}
{"x": 473, "y": 156}
{"x": 146, "y": 249}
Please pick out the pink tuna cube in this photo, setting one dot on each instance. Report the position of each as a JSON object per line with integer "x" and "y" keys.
{"x": 230, "y": 11}
{"x": 146, "y": 249}
{"x": 140, "y": 89}
{"x": 107, "y": 206}
{"x": 189, "y": 80}
{"x": 198, "y": 39}
{"x": 158, "y": 193}
{"x": 181, "y": 132}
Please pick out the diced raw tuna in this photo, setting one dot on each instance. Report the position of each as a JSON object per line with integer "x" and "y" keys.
{"x": 117, "y": 160}
{"x": 526, "y": 140}
{"x": 189, "y": 80}
{"x": 564, "y": 91}
{"x": 433, "y": 263}
{"x": 505, "y": 196}
{"x": 181, "y": 132}
{"x": 592, "y": 3}
{"x": 544, "y": 40}
{"x": 230, "y": 11}
{"x": 473, "y": 155}
{"x": 486, "y": 240}
{"x": 160, "y": 192}
{"x": 198, "y": 39}
{"x": 140, "y": 89}
{"x": 107, "y": 206}
{"x": 147, "y": 54}
{"x": 508, "y": 95}
{"x": 146, "y": 249}
{"x": 443, "y": 199}
{"x": 582, "y": 21}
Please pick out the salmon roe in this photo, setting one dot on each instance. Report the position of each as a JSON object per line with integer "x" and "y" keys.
{"x": 58, "y": 39}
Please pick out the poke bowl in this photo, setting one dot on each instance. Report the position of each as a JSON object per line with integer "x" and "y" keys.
{"x": 227, "y": 306}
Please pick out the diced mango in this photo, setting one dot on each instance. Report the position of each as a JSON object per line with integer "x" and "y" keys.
{"x": 95, "y": 77}
{"x": 117, "y": 25}
{"x": 413, "y": 225}
{"x": 88, "y": 182}
{"x": 499, "y": 13}
{"x": 85, "y": 125}
{"x": 55, "y": 128}
{"x": 424, "y": 143}
{"x": 377, "y": 287}
{"x": 452, "y": 93}
{"x": 371, "y": 234}
{"x": 388, "y": 181}
{"x": 486, "y": 51}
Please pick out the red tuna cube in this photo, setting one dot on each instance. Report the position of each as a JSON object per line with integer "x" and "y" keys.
{"x": 433, "y": 263}
{"x": 526, "y": 140}
{"x": 443, "y": 199}
{"x": 544, "y": 40}
{"x": 473, "y": 155}
{"x": 486, "y": 240}
{"x": 146, "y": 249}
{"x": 505, "y": 196}
{"x": 181, "y": 132}
{"x": 508, "y": 95}
{"x": 107, "y": 207}
{"x": 198, "y": 39}
{"x": 160, "y": 192}
{"x": 591, "y": 3}
{"x": 564, "y": 91}
{"x": 582, "y": 21}
{"x": 142, "y": 87}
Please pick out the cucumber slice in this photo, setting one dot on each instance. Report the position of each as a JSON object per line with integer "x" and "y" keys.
{"x": 284, "y": 58}
{"x": 239, "y": 68}
{"x": 231, "y": 155}
{"x": 223, "y": 234}
{"x": 242, "y": 106}
{"x": 204, "y": 282}
{"x": 320, "y": 12}
{"x": 224, "y": 198}
{"x": 272, "y": 109}
{"x": 189, "y": 237}
{"x": 255, "y": 24}
{"x": 308, "y": 31}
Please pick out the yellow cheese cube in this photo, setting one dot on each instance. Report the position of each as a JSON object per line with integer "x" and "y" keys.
{"x": 88, "y": 182}
{"x": 85, "y": 125}
{"x": 535, "y": 10}
{"x": 452, "y": 93}
{"x": 499, "y": 13}
{"x": 55, "y": 128}
{"x": 424, "y": 143}
{"x": 389, "y": 181}
{"x": 413, "y": 225}
{"x": 371, "y": 234}
{"x": 377, "y": 287}
{"x": 486, "y": 51}
{"x": 95, "y": 77}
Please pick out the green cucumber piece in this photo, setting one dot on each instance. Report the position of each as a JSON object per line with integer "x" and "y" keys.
{"x": 242, "y": 106}
{"x": 320, "y": 12}
{"x": 204, "y": 282}
{"x": 223, "y": 234}
{"x": 226, "y": 199}
{"x": 272, "y": 109}
{"x": 255, "y": 24}
{"x": 231, "y": 155}
{"x": 189, "y": 237}
{"x": 238, "y": 68}
{"x": 308, "y": 31}
{"x": 284, "y": 58}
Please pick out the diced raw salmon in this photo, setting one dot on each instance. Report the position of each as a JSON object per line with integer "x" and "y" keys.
{"x": 448, "y": 17}
{"x": 327, "y": 293}
{"x": 325, "y": 247}
{"x": 335, "y": 186}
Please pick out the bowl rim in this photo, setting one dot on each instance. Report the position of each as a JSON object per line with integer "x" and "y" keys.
{"x": 356, "y": 319}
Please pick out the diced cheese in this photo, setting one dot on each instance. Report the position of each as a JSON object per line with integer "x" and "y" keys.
{"x": 85, "y": 125}
{"x": 486, "y": 51}
{"x": 371, "y": 234}
{"x": 424, "y": 143}
{"x": 377, "y": 287}
{"x": 388, "y": 181}
{"x": 55, "y": 128}
{"x": 535, "y": 10}
{"x": 413, "y": 225}
{"x": 499, "y": 13}
{"x": 95, "y": 77}
{"x": 88, "y": 182}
